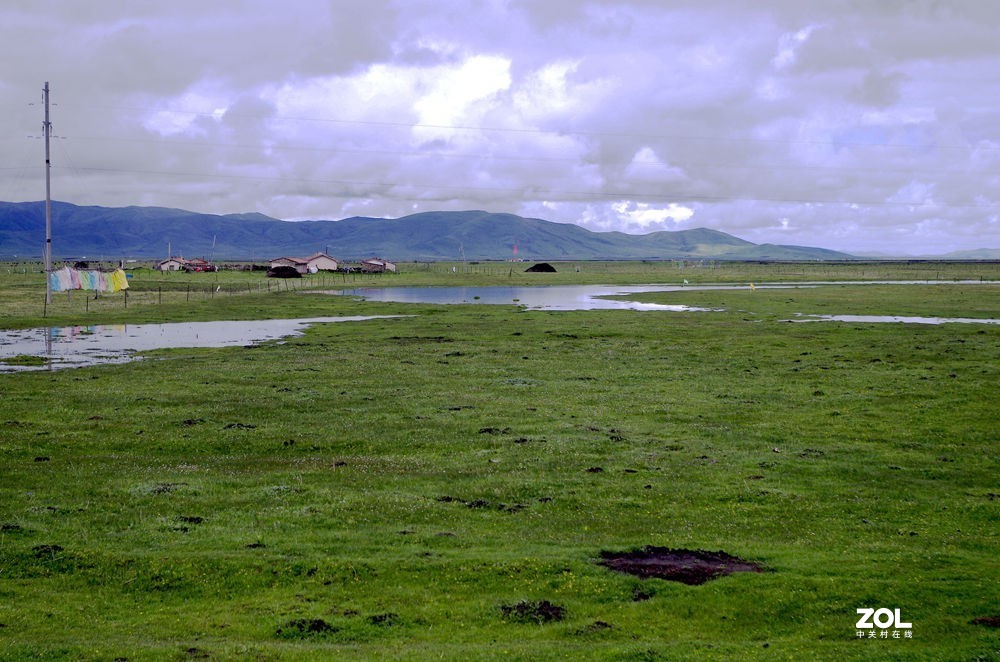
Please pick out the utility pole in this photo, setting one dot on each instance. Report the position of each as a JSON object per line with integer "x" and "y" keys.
{"x": 47, "y": 128}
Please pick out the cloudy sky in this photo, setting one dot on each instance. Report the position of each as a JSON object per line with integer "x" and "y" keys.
{"x": 862, "y": 126}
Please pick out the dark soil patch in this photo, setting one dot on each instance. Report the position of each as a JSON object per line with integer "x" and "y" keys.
{"x": 596, "y": 626}
{"x": 385, "y": 620}
{"x": 640, "y": 595}
{"x": 6, "y": 527}
{"x": 541, "y": 611}
{"x": 166, "y": 488}
{"x": 477, "y": 504}
{"x": 45, "y": 551}
{"x": 687, "y": 566}
{"x": 988, "y": 621}
{"x": 304, "y": 627}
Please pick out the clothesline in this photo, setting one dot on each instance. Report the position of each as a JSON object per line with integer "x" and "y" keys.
{"x": 68, "y": 278}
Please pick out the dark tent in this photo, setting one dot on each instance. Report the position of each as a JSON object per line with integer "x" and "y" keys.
{"x": 541, "y": 267}
{"x": 283, "y": 272}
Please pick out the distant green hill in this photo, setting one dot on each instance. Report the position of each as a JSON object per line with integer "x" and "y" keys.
{"x": 146, "y": 232}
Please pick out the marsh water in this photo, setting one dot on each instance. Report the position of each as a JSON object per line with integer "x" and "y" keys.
{"x": 66, "y": 347}
{"x": 76, "y": 346}
{"x": 547, "y": 297}
{"x": 593, "y": 297}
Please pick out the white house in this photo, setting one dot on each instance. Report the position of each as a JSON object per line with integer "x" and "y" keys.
{"x": 171, "y": 264}
{"x": 307, "y": 265}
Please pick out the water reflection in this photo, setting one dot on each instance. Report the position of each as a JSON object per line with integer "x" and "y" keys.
{"x": 75, "y": 346}
{"x": 902, "y": 319}
{"x": 549, "y": 297}
{"x": 582, "y": 297}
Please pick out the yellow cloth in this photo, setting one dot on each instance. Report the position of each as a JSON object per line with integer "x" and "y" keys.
{"x": 117, "y": 281}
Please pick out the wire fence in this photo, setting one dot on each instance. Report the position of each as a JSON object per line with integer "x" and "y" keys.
{"x": 22, "y": 290}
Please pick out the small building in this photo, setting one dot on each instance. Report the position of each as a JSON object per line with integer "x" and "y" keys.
{"x": 377, "y": 265}
{"x": 307, "y": 265}
{"x": 171, "y": 264}
{"x": 182, "y": 264}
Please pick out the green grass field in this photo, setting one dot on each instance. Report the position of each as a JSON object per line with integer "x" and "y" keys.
{"x": 409, "y": 488}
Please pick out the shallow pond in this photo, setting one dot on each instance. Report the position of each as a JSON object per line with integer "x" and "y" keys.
{"x": 75, "y": 346}
{"x": 900, "y": 319}
{"x": 547, "y": 297}
{"x": 592, "y": 297}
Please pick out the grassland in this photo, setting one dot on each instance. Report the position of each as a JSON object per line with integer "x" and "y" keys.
{"x": 396, "y": 488}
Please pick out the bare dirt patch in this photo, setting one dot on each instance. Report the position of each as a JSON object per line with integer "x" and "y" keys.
{"x": 305, "y": 627}
{"x": 988, "y": 621}
{"x": 526, "y": 611}
{"x": 688, "y": 566}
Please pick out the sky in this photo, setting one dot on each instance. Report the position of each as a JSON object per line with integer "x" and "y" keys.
{"x": 865, "y": 126}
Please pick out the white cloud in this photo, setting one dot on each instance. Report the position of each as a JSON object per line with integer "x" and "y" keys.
{"x": 647, "y": 216}
{"x": 789, "y": 45}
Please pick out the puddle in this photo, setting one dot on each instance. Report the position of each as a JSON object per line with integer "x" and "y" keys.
{"x": 581, "y": 297}
{"x": 76, "y": 346}
{"x": 546, "y": 297}
{"x": 592, "y": 297}
{"x": 901, "y": 319}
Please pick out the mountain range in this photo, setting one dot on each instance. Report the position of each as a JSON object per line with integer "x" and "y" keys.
{"x": 151, "y": 232}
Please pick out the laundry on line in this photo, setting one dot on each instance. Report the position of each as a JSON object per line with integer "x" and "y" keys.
{"x": 79, "y": 279}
